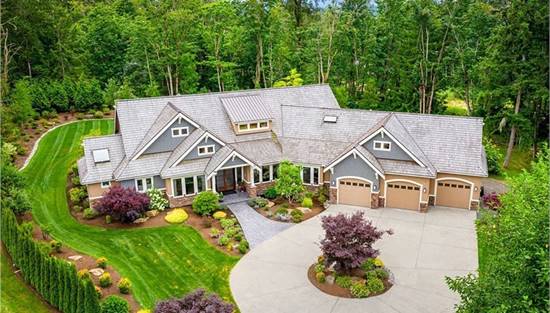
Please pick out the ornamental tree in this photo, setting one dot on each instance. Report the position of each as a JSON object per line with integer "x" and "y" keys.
{"x": 196, "y": 301}
{"x": 123, "y": 204}
{"x": 348, "y": 241}
{"x": 289, "y": 180}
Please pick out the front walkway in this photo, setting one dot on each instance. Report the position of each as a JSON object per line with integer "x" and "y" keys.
{"x": 423, "y": 250}
{"x": 256, "y": 227}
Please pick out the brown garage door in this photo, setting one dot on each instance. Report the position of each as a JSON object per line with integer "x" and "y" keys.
{"x": 403, "y": 195}
{"x": 452, "y": 193}
{"x": 354, "y": 192}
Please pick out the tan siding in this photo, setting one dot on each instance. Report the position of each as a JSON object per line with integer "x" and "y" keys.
{"x": 95, "y": 190}
{"x": 168, "y": 186}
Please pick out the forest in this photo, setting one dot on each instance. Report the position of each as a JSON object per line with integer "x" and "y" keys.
{"x": 470, "y": 57}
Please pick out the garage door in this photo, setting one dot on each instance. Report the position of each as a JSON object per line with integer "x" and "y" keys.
{"x": 354, "y": 192}
{"x": 403, "y": 195}
{"x": 452, "y": 193}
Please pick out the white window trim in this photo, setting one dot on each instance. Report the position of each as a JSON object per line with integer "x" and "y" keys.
{"x": 184, "y": 188}
{"x": 179, "y": 129}
{"x": 381, "y": 145}
{"x": 248, "y": 129}
{"x": 102, "y": 184}
{"x": 311, "y": 175}
{"x": 206, "y": 150}
{"x": 144, "y": 182}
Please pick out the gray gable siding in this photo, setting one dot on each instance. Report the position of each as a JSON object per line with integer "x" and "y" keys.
{"x": 396, "y": 153}
{"x": 356, "y": 167}
{"x": 238, "y": 161}
{"x": 166, "y": 142}
{"x": 158, "y": 183}
{"x": 194, "y": 153}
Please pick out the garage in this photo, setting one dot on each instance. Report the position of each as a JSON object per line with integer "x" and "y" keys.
{"x": 402, "y": 195}
{"x": 453, "y": 193}
{"x": 354, "y": 192}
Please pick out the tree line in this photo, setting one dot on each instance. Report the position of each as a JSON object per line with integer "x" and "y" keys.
{"x": 491, "y": 57}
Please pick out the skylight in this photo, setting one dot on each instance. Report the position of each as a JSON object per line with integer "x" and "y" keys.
{"x": 101, "y": 155}
{"x": 330, "y": 119}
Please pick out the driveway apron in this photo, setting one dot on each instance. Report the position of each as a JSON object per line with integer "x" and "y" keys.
{"x": 424, "y": 249}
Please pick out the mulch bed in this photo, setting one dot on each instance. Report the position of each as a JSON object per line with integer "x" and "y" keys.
{"x": 86, "y": 262}
{"x": 42, "y": 127}
{"x": 315, "y": 210}
{"x": 335, "y": 290}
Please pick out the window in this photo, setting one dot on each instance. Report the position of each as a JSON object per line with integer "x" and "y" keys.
{"x": 200, "y": 184}
{"x": 263, "y": 124}
{"x": 257, "y": 176}
{"x": 188, "y": 186}
{"x": 144, "y": 184}
{"x": 177, "y": 187}
{"x": 265, "y": 173}
{"x": 382, "y": 145}
{"x": 243, "y": 126}
{"x": 239, "y": 171}
{"x": 275, "y": 169}
{"x": 310, "y": 175}
{"x": 254, "y": 126}
{"x": 180, "y": 132}
{"x": 101, "y": 155}
{"x": 105, "y": 184}
{"x": 206, "y": 150}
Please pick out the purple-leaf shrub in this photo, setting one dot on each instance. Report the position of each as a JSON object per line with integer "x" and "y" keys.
{"x": 123, "y": 204}
{"x": 197, "y": 301}
{"x": 348, "y": 241}
{"x": 491, "y": 200}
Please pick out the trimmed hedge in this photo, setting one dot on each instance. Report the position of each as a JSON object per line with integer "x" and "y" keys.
{"x": 55, "y": 279}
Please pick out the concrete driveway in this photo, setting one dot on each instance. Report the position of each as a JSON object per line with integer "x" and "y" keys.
{"x": 424, "y": 249}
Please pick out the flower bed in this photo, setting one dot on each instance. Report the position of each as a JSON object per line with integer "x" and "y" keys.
{"x": 282, "y": 210}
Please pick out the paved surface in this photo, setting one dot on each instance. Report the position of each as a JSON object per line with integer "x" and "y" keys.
{"x": 424, "y": 249}
{"x": 256, "y": 227}
{"x": 492, "y": 185}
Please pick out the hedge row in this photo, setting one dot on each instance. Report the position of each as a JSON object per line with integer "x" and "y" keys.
{"x": 64, "y": 95}
{"x": 55, "y": 279}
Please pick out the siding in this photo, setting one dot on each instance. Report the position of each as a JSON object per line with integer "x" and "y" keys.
{"x": 236, "y": 162}
{"x": 355, "y": 167}
{"x": 131, "y": 183}
{"x": 396, "y": 153}
{"x": 166, "y": 142}
{"x": 194, "y": 153}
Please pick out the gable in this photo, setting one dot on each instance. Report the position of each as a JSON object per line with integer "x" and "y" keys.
{"x": 166, "y": 142}
{"x": 234, "y": 161}
{"x": 354, "y": 166}
{"x": 194, "y": 151}
{"x": 395, "y": 152}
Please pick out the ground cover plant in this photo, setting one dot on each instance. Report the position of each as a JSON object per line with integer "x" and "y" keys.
{"x": 148, "y": 248}
{"x": 196, "y": 301}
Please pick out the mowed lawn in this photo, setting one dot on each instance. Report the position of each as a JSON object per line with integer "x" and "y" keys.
{"x": 160, "y": 262}
{"x": 16, "y": 295}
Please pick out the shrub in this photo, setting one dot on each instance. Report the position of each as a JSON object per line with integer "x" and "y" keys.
{"x": 76, "y": 194}
{"x": 307, "y": 202}
{"x": 289, "y": 180}
{"x": 157, "y": 201}
{"x": 378, "y": 262}
{"x": 238, "y": 236}
{"x": 176, "y": 216}
{"x": 343, "y": 281}
{"x": 196, "y": 301}
{"x": 124, "y": 286}
{"x": 114, "y": 304}
{"x": 101, "y": 262}
{"x": 243, "y": 246}
{"x": 381, "y": 273}
{"x": 55, "y": 246}
{"x": 105, "y": 280}
{"x": 223, "y": 240}
{"x": 98, "y": 114}
{"x": 319, "y": 267}
{"x": 375, "y": 285}
{"x": 322, "y": 198}
{"x": 297, "y": 216}
{"x": 144, "y": 311}
{"x": 321, "y": 277}
{"x": 271, "y": 193}
{"x": 108, "y": 219}
{"x": 83, "y": 273}
{"x": 89, "y": 213}
{"x": 77, "y": 208}
{"x": 232, "y": 231}
{"x": 491, "y": 201}
{"x": 227, "y": 222}
{"x": 219, "y": 215}
{"x": 261, "y": 202}
{"x": 98, "y": 292}
{"x": 368, "y": 265}
{"x": 371, "y": 275}
{"x": 75, "y": 181}
{"x": 348, "y": 240}
{"x": 123, "y": 204}
{"x": 281, "y": 211}
{"x": 205, "y": 203}
{"x": 214, "y": 232}
{"x": 359, "y": 290}
{"x": 494, "y": 156}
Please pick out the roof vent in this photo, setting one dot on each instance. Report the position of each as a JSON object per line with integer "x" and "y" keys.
{"x": 330, "y": 119}
{"x": 101, "y": 155}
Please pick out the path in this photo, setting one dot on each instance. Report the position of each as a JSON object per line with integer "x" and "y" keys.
{"x": 256, "y": 227}
{"x": 492, "y": 185}
{"x": 424, "y": 249}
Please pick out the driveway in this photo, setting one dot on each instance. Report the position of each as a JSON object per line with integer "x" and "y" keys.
{"x": 423, "y": 250}
{"x": 256, "y": 227}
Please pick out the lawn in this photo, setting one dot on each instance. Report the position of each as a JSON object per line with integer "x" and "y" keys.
{"x": 521, "y": 159}
{"x": 160, "y": 262}
{"x": 16, "y": 295}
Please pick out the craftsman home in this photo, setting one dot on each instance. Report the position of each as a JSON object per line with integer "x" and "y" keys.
{"x": 234, "y": 141}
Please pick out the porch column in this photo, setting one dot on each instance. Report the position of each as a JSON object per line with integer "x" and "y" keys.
{"x": 252, "y": 176}
{"x": 214, "y": 182}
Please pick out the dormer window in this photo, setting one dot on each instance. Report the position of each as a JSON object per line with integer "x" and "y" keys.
{"x": 253, "y": 126}
{"x": 206, "y": 150}
{"x": 101, "y": 155}
{"x": 180, "y": 132}
{"x": 382, "y": 145}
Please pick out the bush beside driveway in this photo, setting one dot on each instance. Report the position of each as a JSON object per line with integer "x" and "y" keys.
{"x": 424, "y": 249}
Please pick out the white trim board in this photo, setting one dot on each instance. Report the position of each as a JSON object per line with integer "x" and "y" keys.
{"x": 205, "y": 137}
{"x": 406, "y": 181}
{"x": 384, "y": 131}
{"x": 355, "y": 152}
{"x": 472, "y": 186}
{"x": 351, "y": 177}
{"x": 232, "y": 154}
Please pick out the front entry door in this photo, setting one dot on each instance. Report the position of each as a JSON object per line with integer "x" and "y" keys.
{"x": 226, "y": 180}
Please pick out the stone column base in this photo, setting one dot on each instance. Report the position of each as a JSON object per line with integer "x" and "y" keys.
{"x": 423, "y": 207}
{"x": 374, "y": 200}
{"x": 333, "y": 196}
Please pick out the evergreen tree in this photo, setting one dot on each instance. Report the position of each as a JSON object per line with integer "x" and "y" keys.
{"x": 92, "y": 302}
{"x": 81, "y": 296}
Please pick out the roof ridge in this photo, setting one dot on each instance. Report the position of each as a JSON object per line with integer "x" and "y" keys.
{"x": 414, "y": 142}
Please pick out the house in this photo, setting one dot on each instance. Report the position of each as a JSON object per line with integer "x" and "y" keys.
{"x": 234, "y": 141}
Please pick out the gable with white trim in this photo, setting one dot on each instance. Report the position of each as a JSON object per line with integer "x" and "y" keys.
{"x": 206, "y": 145}
{"x": 171, "y": 137}
{"x": 234, "y": 161}
{"x": 377, "y": 145}
{"x": 354, "y": 166}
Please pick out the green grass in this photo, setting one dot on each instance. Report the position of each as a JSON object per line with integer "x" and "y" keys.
{"x": 16, "y": 295}
{"x": 521, "y": 159}
{"x": 160, "y": 262}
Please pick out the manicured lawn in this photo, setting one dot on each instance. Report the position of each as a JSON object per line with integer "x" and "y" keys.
{"x": 521, "y": 159}
{"x": 160, "y": 262}
{"x": 16, "y": 295}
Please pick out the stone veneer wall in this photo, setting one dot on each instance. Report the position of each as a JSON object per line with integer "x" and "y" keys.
{"x": 374, "y": 200}
{"x": 180, "y": 201}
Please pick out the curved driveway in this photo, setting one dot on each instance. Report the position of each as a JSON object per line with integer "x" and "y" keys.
{"x": 424, "y": 249}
